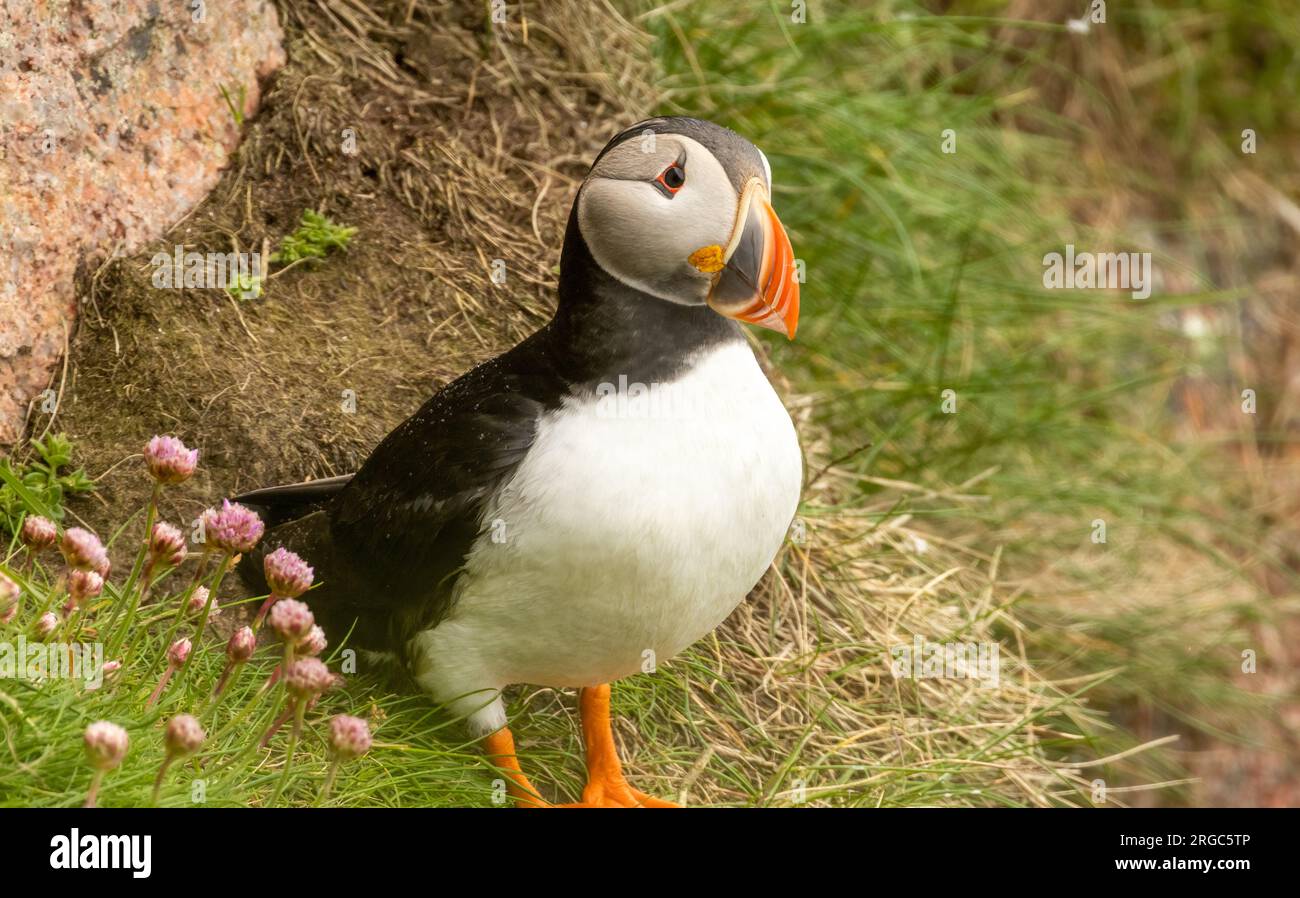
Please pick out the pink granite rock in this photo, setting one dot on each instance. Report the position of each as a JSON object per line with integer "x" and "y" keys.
{"x": 112, "y": 126}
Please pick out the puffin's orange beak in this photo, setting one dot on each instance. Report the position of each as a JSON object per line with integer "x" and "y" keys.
{"x": 757, "y": 282}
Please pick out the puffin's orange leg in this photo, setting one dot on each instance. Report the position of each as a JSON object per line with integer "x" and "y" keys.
{"x": 606, "y": 787}
{"x": 501, "y": 754}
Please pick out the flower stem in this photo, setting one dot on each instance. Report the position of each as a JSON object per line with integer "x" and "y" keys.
{"x": 151, "y": 511}
{"x": 185, "y": 601}
{"x": 300, "y": 709}
{"x": 158, "y": 781}
{"x": 329, "y": 779}
{"x": 213, "y": 587}
{"x": 93, "y": 792}
{"x": 261, "y": 612}
{"x": 162, "y": 684}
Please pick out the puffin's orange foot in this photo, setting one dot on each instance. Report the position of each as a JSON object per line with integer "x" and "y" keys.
{"x": 606, "y": 787}
{"x": 616, "y": 794}
{"x": 501, "y": 754}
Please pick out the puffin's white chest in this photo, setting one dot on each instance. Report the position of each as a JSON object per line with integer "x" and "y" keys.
{"x": 639, "y": 519}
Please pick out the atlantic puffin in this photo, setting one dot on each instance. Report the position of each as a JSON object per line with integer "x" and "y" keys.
{"x": 600, "y": 496}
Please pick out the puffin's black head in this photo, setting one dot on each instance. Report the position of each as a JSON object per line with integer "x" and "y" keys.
{"x": 678, "y": 208}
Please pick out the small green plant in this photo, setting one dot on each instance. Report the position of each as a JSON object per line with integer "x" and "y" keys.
{"x": 313, "y": 239}
{"x": 247, "y": 287}
{"x": 40, "y": 485}
{"x": 236, "y": 109}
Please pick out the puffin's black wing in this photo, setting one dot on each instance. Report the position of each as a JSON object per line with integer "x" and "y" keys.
{"x": 389, "y": 544}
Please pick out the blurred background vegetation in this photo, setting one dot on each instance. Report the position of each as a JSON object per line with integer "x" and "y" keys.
{"x": 924, "y": 273}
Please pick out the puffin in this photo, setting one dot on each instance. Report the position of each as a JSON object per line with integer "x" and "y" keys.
{"x": 596, "y": 499}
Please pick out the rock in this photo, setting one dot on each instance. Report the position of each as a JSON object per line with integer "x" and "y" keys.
{"x": 112, "y": 126}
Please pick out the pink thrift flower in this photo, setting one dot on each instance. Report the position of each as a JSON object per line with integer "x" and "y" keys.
{"x": 46, "y": 625}
{"x": 83, "y": 586}
{"x": 179, "y": 652}
{"x": 313, "y": 643}
{"x": 169, "y": 461}
{"x": 241, "y": 645}
{"x": 287, "y": 575}
{"x": 9, "y": 593}
{"x": 183, "y": 735}
{"x": 198, "y": 600}
{"x": 38, "y": 533}
{"x": 308, "y": 678}
{"x": 292, "y": 619}
{"x": 166, "y": 545}
{"x": 349, "y": 736}
{"x": 106, "y": 745}
{"x": 232, "y": 528}
{"x": 83, "y": 551}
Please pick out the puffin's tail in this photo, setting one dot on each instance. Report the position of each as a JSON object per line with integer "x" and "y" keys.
{"x": 278, "y": 504}
{"x": 295, "y": 517}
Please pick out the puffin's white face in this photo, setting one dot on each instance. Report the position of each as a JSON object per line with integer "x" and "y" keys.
{"x": 659, "y": 213}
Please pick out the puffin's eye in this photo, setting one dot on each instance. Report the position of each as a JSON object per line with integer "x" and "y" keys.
{"x": 671, "y": 180}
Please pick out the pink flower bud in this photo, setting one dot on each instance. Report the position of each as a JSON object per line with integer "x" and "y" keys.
{"x": 241, "y": 646}
{"x": 9, "y": 593}
{"x": 46, "y": 624}
{"x": 166, "y": 545}
{"x": 38, "y": 533}
{"x": 83, "y": 586}
{"x": 83, "y": 551}
{"x": 179, "y": 652}
{"x": 350, "y": 736}
{"x": 287, "y": 575}
{"x": 232, "y": 528}
{"x": 198, "y": 600}
{"x": 307, "y": 678}
{"x": 183, "y": 735}
{"x": 106, "y": 745}
{"x": 313, "y": 643}
{"x": 112, "y": 667}
{"x": 169, "y": 461}
{"x": 292, "y": 619}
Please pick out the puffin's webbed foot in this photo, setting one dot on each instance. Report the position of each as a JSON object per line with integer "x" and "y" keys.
{"x": 606, "y": 786}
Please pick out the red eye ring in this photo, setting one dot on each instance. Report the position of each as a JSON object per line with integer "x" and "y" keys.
{"x": 672, "y": 179}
